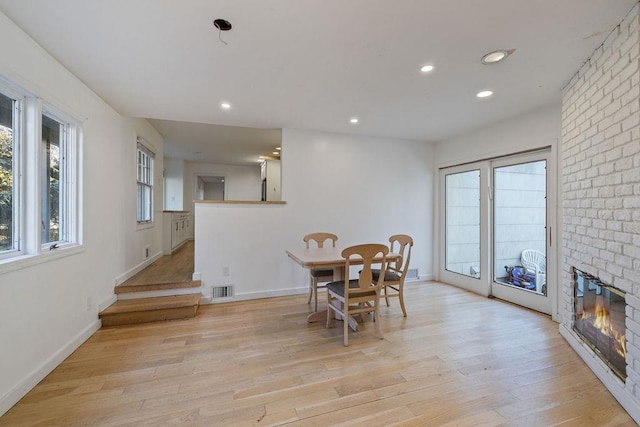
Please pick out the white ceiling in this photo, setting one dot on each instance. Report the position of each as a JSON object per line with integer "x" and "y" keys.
{"x": 314, "y": 64}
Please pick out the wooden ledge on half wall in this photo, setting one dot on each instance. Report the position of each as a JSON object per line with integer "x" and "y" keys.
{"x": 241, "y": 202}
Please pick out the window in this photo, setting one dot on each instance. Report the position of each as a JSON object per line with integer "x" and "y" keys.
{"x": 144, "y": 162}
{"x": 53, "y": 194}
{"x": 8, "y": 208}
{"x": 39, "y": 176}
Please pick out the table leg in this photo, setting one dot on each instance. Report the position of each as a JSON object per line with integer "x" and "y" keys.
{"x": 321, "y": 316}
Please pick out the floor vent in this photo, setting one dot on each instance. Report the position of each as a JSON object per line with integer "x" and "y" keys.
{"x": 412, "y": 274}
{"x": 221, "y": 291}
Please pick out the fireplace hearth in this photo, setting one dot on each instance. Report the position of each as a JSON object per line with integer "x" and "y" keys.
{"x": 600, "y": 320}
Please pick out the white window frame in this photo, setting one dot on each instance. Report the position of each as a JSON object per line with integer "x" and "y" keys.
{"x": 28, "y": 181}
{"x": 144, "y": 179}
{"x": 17, "y": 166}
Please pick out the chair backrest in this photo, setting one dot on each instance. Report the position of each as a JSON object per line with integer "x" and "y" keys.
{"x": 534, "y": 261}
{"x": 368, "y": 253}
{"x": 320, "y": 238}
{"x": 404, "y": 244}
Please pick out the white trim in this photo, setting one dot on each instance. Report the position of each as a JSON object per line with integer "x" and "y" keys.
{"x": 136, "y": 269}
{"x": 107, "y": 302}
{"x": 256, "y": 295}
{"x": 21, "y": 389}
{"x": 206, "y": 290}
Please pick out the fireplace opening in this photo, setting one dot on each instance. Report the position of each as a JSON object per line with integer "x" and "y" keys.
{"x": 600, "y": 320}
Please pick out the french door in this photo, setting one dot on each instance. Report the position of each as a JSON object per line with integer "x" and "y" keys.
{"x": 496, "y": 229}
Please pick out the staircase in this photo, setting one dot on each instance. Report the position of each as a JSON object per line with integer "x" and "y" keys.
{"x": 141, "y": 310}
{"x": 162, "y": 291}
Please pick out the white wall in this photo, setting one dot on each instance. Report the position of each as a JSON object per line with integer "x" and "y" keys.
{"x": 48, "y": 309}
{"x": 362, "y": 189}
{"x": 173, "y": 184}
{"x": 241, "y": 182}
{"x": 537, "y": 129}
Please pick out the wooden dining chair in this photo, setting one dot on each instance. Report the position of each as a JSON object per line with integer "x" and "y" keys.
{"x": 361, "y": 295}
{"x": 319, "y": 275}
{"x": 393, "y": 284}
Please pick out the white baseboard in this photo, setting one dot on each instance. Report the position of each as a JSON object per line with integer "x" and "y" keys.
{"x": 107, "y": 302}
{"x": 421, "y": 278}
{"x": 16, "y": 393}
{"x": 256, "y": 295}
{"x": 138, "y": 268}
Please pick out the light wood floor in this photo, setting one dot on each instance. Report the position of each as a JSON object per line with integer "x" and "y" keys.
{"x": 174, "y": 268}
{"x": 458, "y": 359}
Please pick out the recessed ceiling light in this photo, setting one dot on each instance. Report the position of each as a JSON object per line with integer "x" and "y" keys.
{"x": 278, "y": 148}
{"x": 426, "y": 68}
{"x": 225, "y": 105}
{"x": 354, "y": 120}
{"x": 495, "y": 56}
{"x": 484, "y": 94}
{"x": 277, "y": 153}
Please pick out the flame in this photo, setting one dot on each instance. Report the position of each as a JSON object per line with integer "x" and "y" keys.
{"x": 602, "y": 322}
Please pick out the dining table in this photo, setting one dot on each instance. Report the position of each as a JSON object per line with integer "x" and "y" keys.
{"x": 329, "y": 258}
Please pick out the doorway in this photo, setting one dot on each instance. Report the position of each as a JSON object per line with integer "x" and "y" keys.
{"x": 496, "y": 229}
{"x": 210, "y": 188}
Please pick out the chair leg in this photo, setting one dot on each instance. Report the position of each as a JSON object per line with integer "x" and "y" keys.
{"x": 376, "y": 314}
{"x": 311, "y": 286}
{"x": 329, "y": 311}
{"x": 401, "y": 298}
{"x": 345, "y": 327}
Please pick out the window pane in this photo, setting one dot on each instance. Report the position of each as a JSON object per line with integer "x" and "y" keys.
{"x": 7, "y": 231}
{"x": 520, "y": 206}
{"x": 462, "y": 211}
{"x": 144, "y": 203}
{"x": 52, "y": 199}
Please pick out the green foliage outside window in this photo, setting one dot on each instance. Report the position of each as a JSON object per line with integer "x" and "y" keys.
{"x": 6, "y": 188}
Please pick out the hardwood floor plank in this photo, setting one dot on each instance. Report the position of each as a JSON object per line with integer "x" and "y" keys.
{"x": 457, "y": 359}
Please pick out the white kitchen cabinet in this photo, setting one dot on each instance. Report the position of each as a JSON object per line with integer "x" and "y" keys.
{"x": 176, "y": 230}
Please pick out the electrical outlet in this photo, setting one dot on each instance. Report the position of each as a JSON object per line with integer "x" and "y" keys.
{"x": 225, "y": 271}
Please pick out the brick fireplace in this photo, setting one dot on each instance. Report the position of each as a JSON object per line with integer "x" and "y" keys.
{"x": 600, "y": 153}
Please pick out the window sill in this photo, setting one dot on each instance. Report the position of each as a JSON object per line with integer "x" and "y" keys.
{"x": 144, "y": 225}
{"x": 25, "y": 261}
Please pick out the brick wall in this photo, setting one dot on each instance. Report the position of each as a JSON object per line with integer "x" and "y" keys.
{"x": 601, "y": 178}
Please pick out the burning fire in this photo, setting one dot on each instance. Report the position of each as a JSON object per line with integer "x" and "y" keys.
{"x": 602, "y": 323}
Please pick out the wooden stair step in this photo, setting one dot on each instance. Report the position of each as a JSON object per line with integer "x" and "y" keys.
{"x": 124, "y": 288}
{"x": 142, "y": 310}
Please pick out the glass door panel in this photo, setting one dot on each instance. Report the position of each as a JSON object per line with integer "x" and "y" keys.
{"x": 519, "y": 221}
{"x": 519, "y": 217}
{"x": 462, "y": 236}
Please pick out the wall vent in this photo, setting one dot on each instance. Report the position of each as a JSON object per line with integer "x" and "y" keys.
{"x": 412, "y": 274}
{"x": 221, "y": 291}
